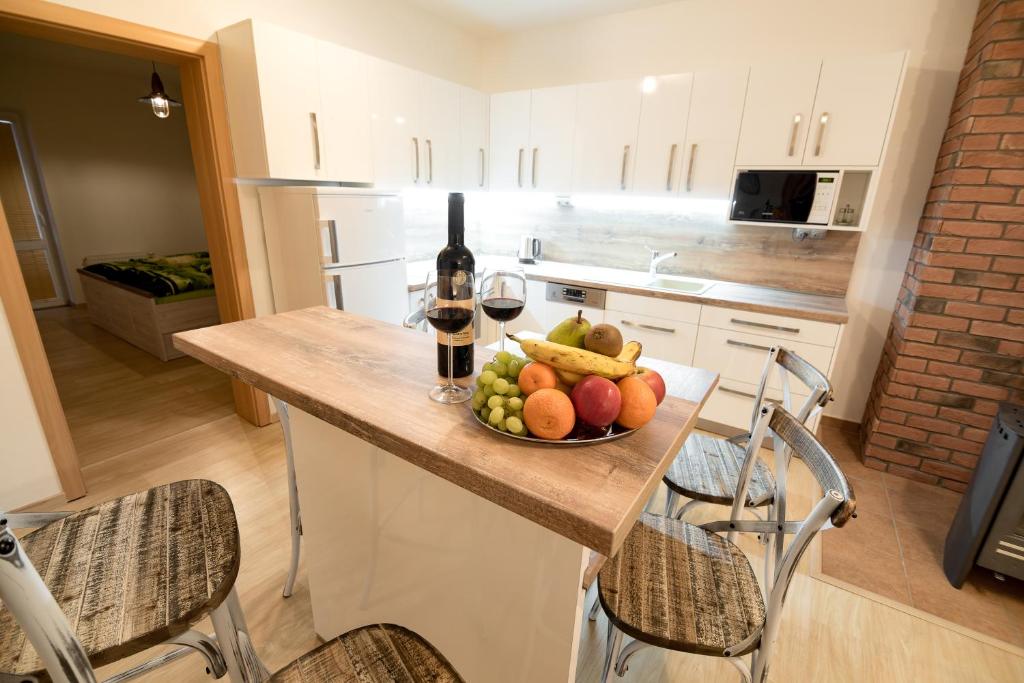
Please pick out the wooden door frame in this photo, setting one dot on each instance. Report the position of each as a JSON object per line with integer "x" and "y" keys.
{"x": 210, "y": 140}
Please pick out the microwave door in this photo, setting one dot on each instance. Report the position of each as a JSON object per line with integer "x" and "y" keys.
{"x": 774, "y": 196}
{"x": 377, "y": 290}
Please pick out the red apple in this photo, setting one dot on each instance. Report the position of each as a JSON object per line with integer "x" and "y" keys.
{"x": 654, "y": 381}
{"x": 597, "y": 400}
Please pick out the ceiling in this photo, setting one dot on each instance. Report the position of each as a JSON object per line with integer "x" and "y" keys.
{"x": 504, "y": 16}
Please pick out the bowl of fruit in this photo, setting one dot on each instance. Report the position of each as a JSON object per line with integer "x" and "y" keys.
{"x": 579, "y": 385}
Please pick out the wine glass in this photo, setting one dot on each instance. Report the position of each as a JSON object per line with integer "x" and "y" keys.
{"x": 449, "y": 301}
{"x": 503, "y": 297}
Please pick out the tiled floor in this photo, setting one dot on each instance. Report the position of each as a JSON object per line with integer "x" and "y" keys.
{"x": 894, "y": 548}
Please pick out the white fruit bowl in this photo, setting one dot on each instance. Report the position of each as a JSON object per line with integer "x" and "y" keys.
{"x": 592, "y": 435}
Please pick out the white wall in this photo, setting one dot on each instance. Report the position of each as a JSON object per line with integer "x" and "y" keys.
{"x": 119, "y": 180}
{"x": 24, "y": 454}
{"x": 699, "y": 33}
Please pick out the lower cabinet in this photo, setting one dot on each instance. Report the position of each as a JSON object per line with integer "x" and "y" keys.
{"x": 661, "y": 338}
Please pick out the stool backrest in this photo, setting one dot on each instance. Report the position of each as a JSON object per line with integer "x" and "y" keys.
{"x": 40, "y": 617}
{"x": 819, "y": 389}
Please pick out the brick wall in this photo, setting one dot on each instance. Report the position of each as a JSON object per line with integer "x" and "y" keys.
{"x": 956, "y": 343}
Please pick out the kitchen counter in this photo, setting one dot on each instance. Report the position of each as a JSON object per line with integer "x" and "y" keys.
{"x": 744, "y": 297}
{"x": 415, "y": 514}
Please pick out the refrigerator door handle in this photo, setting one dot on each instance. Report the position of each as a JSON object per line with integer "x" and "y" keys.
{"x": 333, "y": 281}
{"x": 329, "y": 242}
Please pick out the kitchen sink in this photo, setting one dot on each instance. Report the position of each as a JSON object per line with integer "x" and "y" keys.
{"x": 680, "y": 284}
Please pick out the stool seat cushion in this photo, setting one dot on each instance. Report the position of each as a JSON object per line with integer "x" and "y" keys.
{"x": 707, "y": 468}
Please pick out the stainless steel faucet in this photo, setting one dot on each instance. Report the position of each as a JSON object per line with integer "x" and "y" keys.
{"x": 656, "y": 258}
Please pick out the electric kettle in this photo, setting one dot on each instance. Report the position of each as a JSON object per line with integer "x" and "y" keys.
{"x": 529, "y": 249}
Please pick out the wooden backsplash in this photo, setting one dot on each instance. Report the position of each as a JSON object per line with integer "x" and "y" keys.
{"x": 590, "y": 233}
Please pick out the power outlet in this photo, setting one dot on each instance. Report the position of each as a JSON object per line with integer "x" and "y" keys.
{"x": 801, "y": 234}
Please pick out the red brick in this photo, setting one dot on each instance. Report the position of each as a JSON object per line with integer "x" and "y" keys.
{"x": 990, "y": 141}
{"x": 957, "y": 486}
{"x": 892, "y": 456}
{"x": 1002, "y": 298}
{"x": 967, "y": 261}
{"x": 913, "y": 364}
{"x": 961, "y": 386}
{"x": 956, "y": 443}
{"x": 946, "y": 470}
{"x": 1017, "y": 106}
{"x": 946, "y": 291}
{"x": 902, "y": 431}
{"x": 973, "y": 228}
{"x": 998, "y": 124}
{"x": 930, "y": 351}
{"x": 953, "y": 370}
{"x": 949, "y": 210}
{"x": 1015, "y": 317}
{"x": 918, "y": 379}
{"x": 999, "y": 212}
{"x": 1008, "y": 348}
{"x": 976, "y": 435}
{"x": 893, "y": 416}
{"x": 997, "y": 195}
{"x": 954, "y": 244}
{"x": 996, "y": 247}
{"x": 1015, "y": 232}
{"x": 1011, "y": 49}
{"x": 970, "y": 176}
{"x": 932, "y": 274}
{"x": 996, "y": 280}
{"x": 964, "y": 460}
{"x": 907, "y": 406}
{"x": 901, "y": 390}
{"x": 975, "y": 311}
{"x": 939, "y": 322}
{"x": 933, "y": 425}
{"x": 996, "y": 160}
{"x": 1009, "y": 265}
{"x": 989, "y": 105}
{"x": 965, "y": 417}
{"x": 999, "y": 330}
{"x": 919, "y": 335}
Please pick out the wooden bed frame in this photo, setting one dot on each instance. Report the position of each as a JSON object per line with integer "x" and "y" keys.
{"x": 135, "y": 316}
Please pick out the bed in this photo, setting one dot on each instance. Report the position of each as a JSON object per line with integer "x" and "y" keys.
{"x": 146, "y": 300}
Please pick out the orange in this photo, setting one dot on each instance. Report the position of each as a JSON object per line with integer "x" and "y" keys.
{"x": 537, "y": 376}
{"x": 548, "y": 413}
{"x": 638, "y": 403}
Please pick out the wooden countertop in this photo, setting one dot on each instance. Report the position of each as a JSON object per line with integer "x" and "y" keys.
{"x": 371, "y": 379}
{"x": 830, "y": 309}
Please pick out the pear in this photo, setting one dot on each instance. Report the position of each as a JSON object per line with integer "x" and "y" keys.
{"x": 571, "y": 331}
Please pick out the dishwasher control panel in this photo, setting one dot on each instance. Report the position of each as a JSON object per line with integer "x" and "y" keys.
{"x": 575, "y": 294}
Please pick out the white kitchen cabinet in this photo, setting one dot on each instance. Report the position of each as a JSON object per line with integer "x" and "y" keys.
{"x": 852, "y": 109}
{"x": 776, "y": 116}
{"x": 272, "y": 86}
{"x": 474, "y": 118}
{"x": 741, "y": 356}
{"x": 661, "y": 338}
{"x": 712, "y": 131}
{"x": 440, "y": 149}
{"x": 605, "y": 144}
{"x": 781, "y": 328}
{"x": 552, "y": 119}
{"x": 398, "y": 147}
{"x": 661, "y": 134}
{"x": 510, "y": 138}
{"x": 345, "y": 135}
{"x": 533, "y": 318}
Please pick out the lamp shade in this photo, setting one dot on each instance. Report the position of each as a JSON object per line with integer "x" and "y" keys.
{"x": 158, "y": 98}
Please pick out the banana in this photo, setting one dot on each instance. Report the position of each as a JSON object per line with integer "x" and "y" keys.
{"x": 630, "y": 352}
{"x": 571, "y": 359}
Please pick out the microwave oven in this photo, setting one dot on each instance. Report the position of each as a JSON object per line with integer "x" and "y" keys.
{"x": 795, "y": 196}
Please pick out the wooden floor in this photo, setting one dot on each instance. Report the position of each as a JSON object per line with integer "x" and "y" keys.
{"x": 830, "y": 632}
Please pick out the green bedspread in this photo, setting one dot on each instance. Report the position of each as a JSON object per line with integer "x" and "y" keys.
{"x": 176, "y": 277}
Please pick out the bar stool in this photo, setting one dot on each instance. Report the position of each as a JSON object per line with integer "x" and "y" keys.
{"x": 684, "y": 587}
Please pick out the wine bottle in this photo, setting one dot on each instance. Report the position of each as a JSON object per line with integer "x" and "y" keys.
{"x": 453, "y": 258}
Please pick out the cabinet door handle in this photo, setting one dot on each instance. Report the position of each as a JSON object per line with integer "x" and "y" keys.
{"x": 482, "y": 167}
{"x": 744, "y": 394}
{"x": 430, "y": 162}
{"x": 519, "y": 168}
{"x": 671, "y": 165}
{"x": 642, "y": 326}
{"x": 533, "y": 168}
{"x": 689, "y": 168}
{"x": 765, "y": 326}
{"x": 747, "y": 345}
{"x": 316, "y": 140}
{"x": 625, "y": 161}
{"x": 416, "y": 159}
{"x": 792, "y": 135}
{"x": 822, "y": 122}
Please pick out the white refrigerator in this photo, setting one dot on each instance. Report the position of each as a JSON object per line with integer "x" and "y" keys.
{"x": 336, "y": 247}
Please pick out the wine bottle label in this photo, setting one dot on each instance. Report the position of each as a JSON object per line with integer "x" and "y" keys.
{"x": 463, "y": 337}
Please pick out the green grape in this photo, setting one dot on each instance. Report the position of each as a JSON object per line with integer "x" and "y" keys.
{"x": 515, "y": 403}
{"x": 499, "y": 368}
{"x": 488, "y": 376}
{"x": 485, "y": 413}
{"x": 496, "y": 416}
{"x": 503, "y": 425}
{"x": 479, "y": 399}
{"x": 514, "y": 391}
{"x": 518, "y": 414}
{"x": 495, "y": 402}
{"x": 515, "y": 425}
{"x": 488, "y": 366}
{"x": 503, "y": 357}
{"x": 489, "y": 390}
{"x": 514, "y": 368}
{"x": 480, "y": 381}
{"x": 501, "y": 386}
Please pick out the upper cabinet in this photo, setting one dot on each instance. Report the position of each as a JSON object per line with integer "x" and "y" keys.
{"x": 474, "y": 117}
{"x": 440, "y": 153}
{"x": 398, "y": 147}
{"x": 712, "y": 131}
{"x": 662, "y": 134}
{"x": 834, "y": 113}
{"x": 605, "y": 144}
{"x": 852, "y": 110}
{"x": 510, "y": 138}
{"x": 344, "y": 126}
{"x": 780, "y": 98}
{"x": 552, "y": 119}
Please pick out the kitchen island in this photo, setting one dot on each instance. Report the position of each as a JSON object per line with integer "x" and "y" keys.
{"x": 415, "y": 514}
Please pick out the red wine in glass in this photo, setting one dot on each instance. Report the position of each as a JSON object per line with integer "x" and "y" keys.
{"x": 503, "y": 309}
{"x": 450, "y": 319}
{"x": 503, "y": 297}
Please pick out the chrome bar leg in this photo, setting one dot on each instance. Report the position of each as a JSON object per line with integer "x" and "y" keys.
{"x": 594, "y": 609}
{"x": 670, "y": 501}
{"x": 207, "y": 647}
{"x": 622, "y": 663}
{"x": 742, "y": 667}
{"x": 243, "y": 664}
{"x": 611, "y": 651}
{"x": 689, "y": 506}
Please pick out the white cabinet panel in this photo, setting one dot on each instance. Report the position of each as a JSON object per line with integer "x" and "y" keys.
{"x": 552, "y": 118}
{"x": 682, "y": 311}
{"x": 732, "y": 403}
{"x": 776, "y": 326}
{"x": 661, "y": 338}
{"x": 395, "y": 122}
{"x": 345, "y": 136}
{"x": 605, "y": 145}
{"x": 510, "y": 138}
{"x": 662, "y": 132}
{"x": 440, "y": 145}
{"x": 533, "y": 318}
{"x": 712, "y": 131}
{"x": 776, "y": 117}
{"x": 474, "y": 118}
{"x": 852, "y": 109}
{"x": 742, "y": 356}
